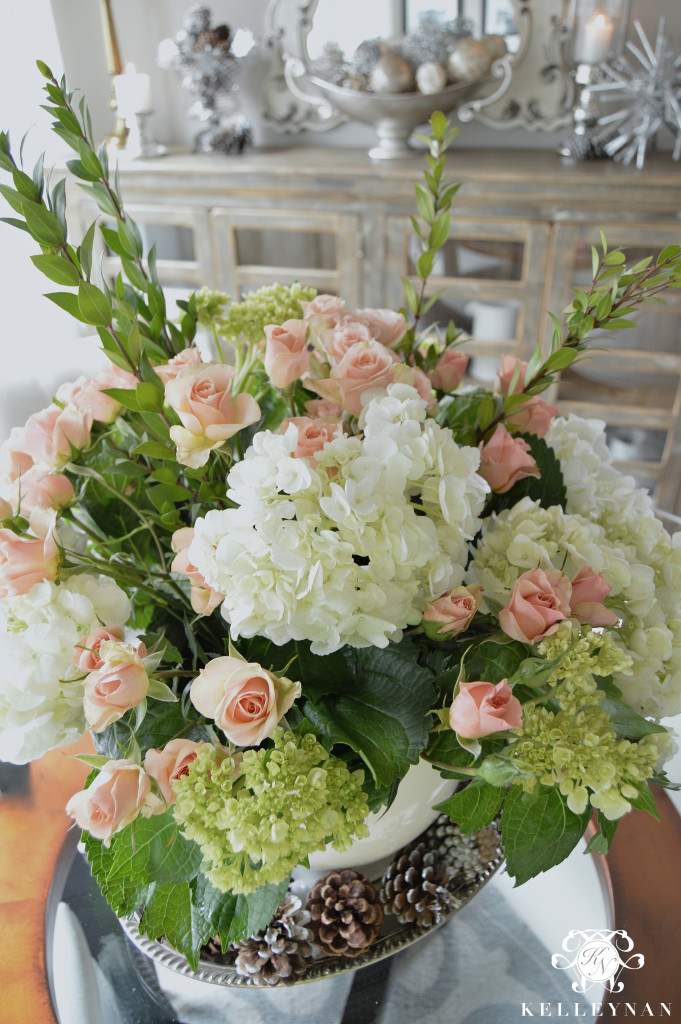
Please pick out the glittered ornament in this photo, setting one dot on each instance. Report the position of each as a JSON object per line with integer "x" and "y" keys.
{"x": 468, "y": 61}
{"x": 197, "y": 20}
{"x": 428, "y": 44}
{"x": 367, "y": 55}
{"x": 392, "y": 74}
{"x": 330, "y": 65}
{"x": 430, "y": 78}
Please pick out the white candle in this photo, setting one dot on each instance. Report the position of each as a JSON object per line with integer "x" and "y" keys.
{"x": 593, "y": 39}
{"x": 133, "y": 92}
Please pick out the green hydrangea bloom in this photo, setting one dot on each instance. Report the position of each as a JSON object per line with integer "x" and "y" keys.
{"x": 256, "y": 819}
{"x": 572, "y": 743}
{"x": 247, "y": 319}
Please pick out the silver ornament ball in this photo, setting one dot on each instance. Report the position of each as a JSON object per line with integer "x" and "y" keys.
{"x": 430, "y": 78}
{"x": 468, "y": 61}
{"x": 392, "y": 73}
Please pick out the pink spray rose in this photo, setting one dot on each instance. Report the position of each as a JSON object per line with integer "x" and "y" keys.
{"x": 201, "y": 397}
{"x": 533, "y": 416}
{"x": 187, "y": 357}
{"x": 120, "y": 684}
{"x": 480, "y": 709}
{"x": 453, "y": 612}
{"x": 87, "y": 394}
{"x": 114, "y": 799}
{"x": 286, "y": 353}
{"x": 366, "y": 365}
{"x": 27, "y": 560}
{"x": 328, "y": 307}
{"x": 86, "y": 653}
{"x": 337, "y": 340}
{"x": 49, "y": 435}
{"x": 14, "y": 461}
{"x": 323, "y": 409}
{"x": 505, "y": 374}
{"x": 449, "y": 371}
{"x": 385, "y": 325}
{"x": 36, "y": 489}
{"x": 539, "y": 601}
{"x": 169, "y": 764}
{"x": 586, "y": 602}
{"x": 504, "y": 460}
{"x": 245, "y": 700}
{"x": 312, "y": 434}
{"x": 204, "y": 599}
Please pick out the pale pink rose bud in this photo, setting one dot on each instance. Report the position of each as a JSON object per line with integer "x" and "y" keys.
{"x": 533, "y": 416}
{"x": 201, "y": 397}
{"x": 337, "y": 340}
{"x": 86, "y": 655}
{"x": 5, "y": 509}
{"x": 504, "y": 460}
{"x": 36, "y": 489}
{"x": 27, "y": 560}
{"x": 453, "y": 612}
{"x": 86, "y": 394}
{"x": 112, "y": 801}
{"x": 14, "y": 461}
{"x": 323, "y": 409}
{"x": 203, "y": 598}
{"x": 480, "y": 708}
{"x": 505, "y": 374}
{"x": 187, "y": 357}
{"x": 385, "y": 325}
{"x": 365, "y": 366}
{"x": 112, "y": 690}
{"x": 328, "y": 307}
{"x": 449, "y": 371}
{"x": 245, "y": 700}
{"x": 586, "y": 603}
{"x": 312, "y": 434}
{"x": 170, "y": 763}
{"x": 286, "y": 353}
{"x": 539, "y": 601}
{"x": 50, "y": 434}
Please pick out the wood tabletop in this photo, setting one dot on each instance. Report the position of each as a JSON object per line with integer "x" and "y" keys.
{"x": 643, "y": 865}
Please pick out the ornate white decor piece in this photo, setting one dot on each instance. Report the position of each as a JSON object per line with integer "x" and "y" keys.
{"x": 533, "y": 89}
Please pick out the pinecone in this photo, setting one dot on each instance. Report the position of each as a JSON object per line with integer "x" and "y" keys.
{"x": 415, "y": 886}
{"x": 346, "y": 913}
{"x": 278, "y": 954}
{"x": 467, "y": 856}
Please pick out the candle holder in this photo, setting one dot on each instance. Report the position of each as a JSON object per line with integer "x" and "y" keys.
{"x": 596, "y": 32}
{"x": 140, "y": 143}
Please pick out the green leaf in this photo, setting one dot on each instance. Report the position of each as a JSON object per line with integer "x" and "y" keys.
{"x": 645, "y": 801}
{"x": 235, "y": 917}
{"x": 58, "y": 269}
{"x": 492, "y": 661}
{"x": 600, "y": 842}
{"x": 549, "y": 489}
{"x": 43, "y": 225}
{"x": 94, "y": 306}
{"x": 410, "y": 295}
{"x": 85, "y": 249}
{"x": 561, "y": 359}
{"x": 150, "y": 396}
{"x": 155, "y": 450}
{"x": 485, "y": 413}
{"x": 79, "y": 170}
{"x": 474, "y": 807}
{"x": 425, "y": 203}
{"x": 668, "y": 253}
{"x": 538, "y": 830}
{"x": 155, "y": 847}
{"x": 90, "y": 161}
{"x": 124, "y": 895}
{"x": 424, "y": 263}
{"x": 67, "y": 301}
{"x": 438, "y": 124}
{"x": 124, "y": 396}
{"x": 130, "y": 239}
{"x": 626, "y": 722}
{"x": 383, "y": 716}
{"x": 159, "y": 690}
{"x": 439, "y": 233}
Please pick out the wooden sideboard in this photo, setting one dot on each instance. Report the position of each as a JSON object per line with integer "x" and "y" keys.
{"x": 522, "y": 226}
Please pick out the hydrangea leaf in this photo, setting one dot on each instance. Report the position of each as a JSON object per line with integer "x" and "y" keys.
{"x": 626, "y": 722}
{"x": 384, "y": 718}
{"x": 124, "y": 894}
{"x": 168, "y": 911}
{"x": 492, "y": 661}
{"x": 600, "y": 842}
{"x": 538, "y": 830}
{"x": 548, "y": 489}
{"x": 234, "y": 917}
{"x": 474, "y": 807}
{"x": 156, "y": 849}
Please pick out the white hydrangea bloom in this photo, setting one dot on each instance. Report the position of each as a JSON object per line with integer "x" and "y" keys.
{"x": 41, "y": 706}
{"x": 599, "y": 491}
{"x": 350, "y": 549}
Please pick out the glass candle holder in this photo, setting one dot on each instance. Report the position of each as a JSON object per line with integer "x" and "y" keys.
{"x": 596, "y": 30}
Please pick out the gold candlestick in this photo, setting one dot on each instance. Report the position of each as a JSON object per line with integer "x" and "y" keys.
{"x": 114, "y": 67}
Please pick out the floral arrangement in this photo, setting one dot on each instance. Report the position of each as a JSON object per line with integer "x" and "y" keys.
{"x": 271, "y": 581}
